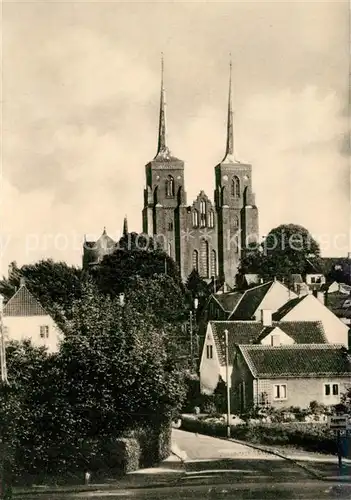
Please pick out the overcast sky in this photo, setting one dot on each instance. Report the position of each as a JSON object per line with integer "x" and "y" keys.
{"x": 80, "y": 114}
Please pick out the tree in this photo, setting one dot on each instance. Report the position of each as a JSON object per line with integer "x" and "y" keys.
{"x": 135, "y": 256}
{"x": 55, "y": 284}
{"x": 284, "y": 252}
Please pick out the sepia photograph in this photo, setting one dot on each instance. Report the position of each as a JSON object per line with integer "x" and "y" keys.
{"x": 175, "y": 237}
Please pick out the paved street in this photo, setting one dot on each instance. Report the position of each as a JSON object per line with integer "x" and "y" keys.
{"x": 212, "y": 460}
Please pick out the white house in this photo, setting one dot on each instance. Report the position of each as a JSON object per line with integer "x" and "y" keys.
{"x": 268, "y": 296}
{"x": 309, "y": 308}
{"x": 265, "y": 332}
{"x": 25, "y": 318}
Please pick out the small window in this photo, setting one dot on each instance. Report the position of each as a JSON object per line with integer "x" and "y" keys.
{"x": 211, "y": 219}
{"x": 195, "y": 218}
{"x": 44, "y": 332}
{"x": 209, "y": 351}
{"x": 327, "y": 389}
{"x": 331, "y": 389}
{"x": 279, "y": 391}
{"x": 196, "y": 260}
{"x": 335, "y": 389}
{"x": 170, "y": 226}
{"x": 313, "y": 279}
{"x": 275, "y": 340}
{"x": 235, "y": 187}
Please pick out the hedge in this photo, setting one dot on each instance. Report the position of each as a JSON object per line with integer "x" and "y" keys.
{"x": 308, "y": 436}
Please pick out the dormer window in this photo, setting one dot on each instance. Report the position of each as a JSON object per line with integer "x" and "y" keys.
{"x": 170, "y": 186}
{"x": 195, "y": 218}
{"x": 235, "y": 187}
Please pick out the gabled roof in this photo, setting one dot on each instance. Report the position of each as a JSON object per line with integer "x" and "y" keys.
{"x": 253, "y": 332}
{"x": 228, "y": 301}
{"x": 250, "y": 301}
{"x": 302, "y": 332}
{"x": 296, "y": 278}
{"x": 312, "y": 267}
{"x": 286, "y": 308}
{"x": 239, "y": 332}
{"x": 297, "y": 360}
{"x": 23, "y": 303}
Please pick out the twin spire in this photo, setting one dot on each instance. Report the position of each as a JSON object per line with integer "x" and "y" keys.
{"x": 163, "y": 150}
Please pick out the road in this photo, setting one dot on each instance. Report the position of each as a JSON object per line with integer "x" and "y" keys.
{"x": 219, "y": 469}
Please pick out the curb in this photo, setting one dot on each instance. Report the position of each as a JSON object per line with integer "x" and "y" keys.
{"x": 311, "y": 471}
{"x": 94, "y": 488}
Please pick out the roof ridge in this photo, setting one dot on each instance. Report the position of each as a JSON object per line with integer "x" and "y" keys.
{"x": 294, "y": 346}
{"x": 24, "y": 289}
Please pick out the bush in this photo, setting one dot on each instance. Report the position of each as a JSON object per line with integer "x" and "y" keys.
{"x": 308, "y": 436}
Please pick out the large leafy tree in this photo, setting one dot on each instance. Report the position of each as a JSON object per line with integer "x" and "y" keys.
{"x": 55, "y": 284}
{"x": 136, "y": 255}
{"x": 284, "y": 252}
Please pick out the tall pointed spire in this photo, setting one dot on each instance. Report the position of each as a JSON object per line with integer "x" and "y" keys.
{"x": 229, "y": 151}
{"x": 162, "y": 149}
{"x": 125, "y": 226}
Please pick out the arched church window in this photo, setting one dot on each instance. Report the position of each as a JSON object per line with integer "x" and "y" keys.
{"x": 213, "y": 263}
{"x": 235, "y": 187}
{"x": 235, "y": 222}
{"x": 170, "y": 249}
{"x": 196, "y": 260}
{"x": 211, "y": 219}
{"x": 170, "y": 186}
{"x": 204, "y": 258}
{"x": 195, "y": 218}
{"x": 202, "y": 213}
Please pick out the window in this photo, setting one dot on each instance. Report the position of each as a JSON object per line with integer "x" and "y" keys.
{"x": 170, "y": 226}
{"x": 209, "y": 351}
{"x": 279, "y": 391}
{"x": 211, "y": 219}
{"x": 235, "y": 222}
{"x": 202, "y": 213}
{"x": 170, "y": 186}
{"x": 196, "y": 260}
{"x": 331, "y": 389}
{"x": 235, "y": 187}
{"x": 204, "y": 259}
{"x": 170, "y": 249}
{"x": 44, "y": 332}
{"x": 195, "y": 218}
{"x": 213, "y": 263}
{"x": 313, "y": 279}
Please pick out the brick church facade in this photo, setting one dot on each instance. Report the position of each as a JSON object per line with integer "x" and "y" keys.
{"x": 207, "y": 236}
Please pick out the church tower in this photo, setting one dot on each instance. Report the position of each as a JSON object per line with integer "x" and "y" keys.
{"x": 164, "y": 193}
{"x": 235, "y": 204}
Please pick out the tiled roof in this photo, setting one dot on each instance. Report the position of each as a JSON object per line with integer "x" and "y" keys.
{"x": 304, "y": 332}
{"x": 309, "y": 360}
{"x": 228, "y": 301}
{"x": 23, "y": 303}
{"x": 239, "y": 332}
{"x": 253, "y": 332}
{"x": 250, "y": 301}
{"x": 287, "y": 307}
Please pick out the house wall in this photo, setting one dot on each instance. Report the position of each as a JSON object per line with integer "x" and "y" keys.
{"x": 311, "y": 309}
{"x": 243, "y": 392}
{"x": 284, "y": 339}
{"x": 209, "y": 368}
{"x": 21, "y": 327}
{"x": 301, "y": 391}
{"x": 277, "y": 296}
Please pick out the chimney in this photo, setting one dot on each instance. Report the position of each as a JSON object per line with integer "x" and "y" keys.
{"x": 225, "y": 287}
{"x": 22, "y": 282}
{"x": 321, "y": 297}
{"x": 266, "y": 317}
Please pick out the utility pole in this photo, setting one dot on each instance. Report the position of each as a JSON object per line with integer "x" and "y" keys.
{"x": 6, "y": 491}
{"x": 191, "y": 338}
{"x": 228, "y": 384}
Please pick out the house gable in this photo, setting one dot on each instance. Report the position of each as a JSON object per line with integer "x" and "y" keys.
{"x": 276, "y": 337}
{"x": 210, "y": 367}
{"x": 309, "y": 308}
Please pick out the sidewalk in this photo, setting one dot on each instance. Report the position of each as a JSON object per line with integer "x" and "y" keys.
{"x": 167, "y": 472}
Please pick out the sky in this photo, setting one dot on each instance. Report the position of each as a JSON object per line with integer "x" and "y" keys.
{"x": 80, "y": 103}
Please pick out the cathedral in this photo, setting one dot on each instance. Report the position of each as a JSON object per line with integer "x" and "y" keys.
{"x": 209, "y": 236}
